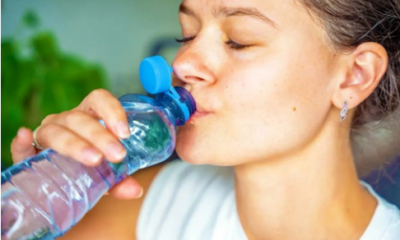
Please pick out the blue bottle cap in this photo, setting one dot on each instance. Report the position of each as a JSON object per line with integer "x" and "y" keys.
{"x": 155, "y": 75}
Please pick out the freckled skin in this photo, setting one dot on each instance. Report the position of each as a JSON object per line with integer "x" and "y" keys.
{"x": 251, "y": 90}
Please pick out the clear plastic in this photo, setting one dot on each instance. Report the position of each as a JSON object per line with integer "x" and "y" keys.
{"x": 45, "y": 195}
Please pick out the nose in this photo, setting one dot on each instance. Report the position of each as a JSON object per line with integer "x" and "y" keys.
{"x": 191, "y": 68}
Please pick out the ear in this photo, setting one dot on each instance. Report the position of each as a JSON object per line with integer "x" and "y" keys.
{"x": 364, "y": 68}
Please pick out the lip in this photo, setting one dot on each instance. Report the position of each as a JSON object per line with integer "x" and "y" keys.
{"x": 197, "y": 115}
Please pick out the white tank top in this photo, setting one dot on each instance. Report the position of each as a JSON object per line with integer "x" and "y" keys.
{"x": 188, "y": 202}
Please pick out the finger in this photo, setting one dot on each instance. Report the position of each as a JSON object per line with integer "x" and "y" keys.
{"x": 21, "y": 146}
{"x": 129, "y": 188}
{"x": 66, "y": 142}
{"x": 105, "y": 106}
{"x": 90, "y": 129}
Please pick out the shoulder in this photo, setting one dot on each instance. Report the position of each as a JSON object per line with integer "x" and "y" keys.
{"x": 392, "y": 214}
{"x": 385, "y": 224}
{"x": 393, "y": 232}
{"x": 185, "y": 198}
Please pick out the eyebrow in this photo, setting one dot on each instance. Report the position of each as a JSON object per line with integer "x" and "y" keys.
{"x": 230, "y": 12}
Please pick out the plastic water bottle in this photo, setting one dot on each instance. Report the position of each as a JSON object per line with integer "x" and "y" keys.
{"x": 45, "y": 195}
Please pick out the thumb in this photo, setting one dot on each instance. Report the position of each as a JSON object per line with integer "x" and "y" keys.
{"x": 21, "y": 146}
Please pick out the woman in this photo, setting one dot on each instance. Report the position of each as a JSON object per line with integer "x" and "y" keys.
{"x": 279, "y": 86}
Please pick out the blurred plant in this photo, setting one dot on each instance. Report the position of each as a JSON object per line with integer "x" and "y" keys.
{"x": 38, "y": 79}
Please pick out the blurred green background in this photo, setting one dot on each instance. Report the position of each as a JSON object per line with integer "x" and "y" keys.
{"x": 56, "y": 52}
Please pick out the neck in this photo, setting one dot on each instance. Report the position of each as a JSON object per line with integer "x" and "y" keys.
{"x": 312, "y": 193}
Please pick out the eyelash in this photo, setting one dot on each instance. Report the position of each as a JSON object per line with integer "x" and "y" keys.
{"x": 232, "y": 44}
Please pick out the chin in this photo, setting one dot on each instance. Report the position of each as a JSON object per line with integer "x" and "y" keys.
{"x": 189, "y": 152}
{"x": 200, "y": 145}
{"x": 191, "y": 149}
{"x": 202, "y": 151}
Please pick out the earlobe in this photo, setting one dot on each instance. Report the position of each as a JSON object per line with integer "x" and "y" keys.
{"x": 365, "y": 67}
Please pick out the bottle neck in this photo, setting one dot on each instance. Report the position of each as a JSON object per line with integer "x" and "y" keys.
{"x": 172, "y": 109}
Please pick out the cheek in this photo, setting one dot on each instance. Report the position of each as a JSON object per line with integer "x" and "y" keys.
{"x": 276, "y": 109}
{"x": 201, "y": 142}
{"x": 251, "y": 127}
{"x": 268, "y": 109}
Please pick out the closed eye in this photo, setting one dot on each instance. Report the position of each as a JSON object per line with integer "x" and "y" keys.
{"x": 183, "y": 40}
{"x": 235, "y": 45}
{"x": 230, "y": 43}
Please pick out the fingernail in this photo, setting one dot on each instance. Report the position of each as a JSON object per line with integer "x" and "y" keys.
{"x": 117, "y": 151}
{"x": 122, "y": 129}
{"x": 91, "y": 156}
{"x": 106, "y": 193}
{"x": 20, "y": 132}
{"x": 141, "y": 193}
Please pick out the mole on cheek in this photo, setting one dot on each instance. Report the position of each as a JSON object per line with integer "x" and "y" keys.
{"x": 294, "y": 109}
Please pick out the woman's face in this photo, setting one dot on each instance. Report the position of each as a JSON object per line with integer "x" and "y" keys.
{"x": 261, "y": 73}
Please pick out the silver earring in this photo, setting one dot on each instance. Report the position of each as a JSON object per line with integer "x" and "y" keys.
{"x": 343, "y": 113}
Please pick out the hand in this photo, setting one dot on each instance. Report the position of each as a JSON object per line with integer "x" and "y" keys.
{"x": 78, "y": 134}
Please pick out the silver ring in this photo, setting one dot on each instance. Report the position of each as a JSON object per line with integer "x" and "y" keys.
{"x": 34, "y": 142}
